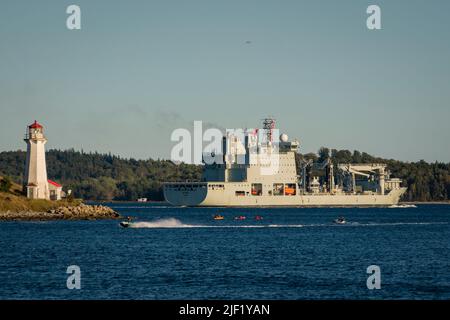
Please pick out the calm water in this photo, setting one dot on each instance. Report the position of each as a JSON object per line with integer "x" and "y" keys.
{"x": 293, "y": 253}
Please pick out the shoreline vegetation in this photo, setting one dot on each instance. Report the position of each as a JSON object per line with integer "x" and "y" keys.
{"x": 14, "y": 206}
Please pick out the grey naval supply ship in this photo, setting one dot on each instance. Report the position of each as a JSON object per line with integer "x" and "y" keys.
{"x": 257, "y": 171}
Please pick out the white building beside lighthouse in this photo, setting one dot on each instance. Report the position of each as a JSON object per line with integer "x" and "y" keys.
{"x": 36, "y": 184}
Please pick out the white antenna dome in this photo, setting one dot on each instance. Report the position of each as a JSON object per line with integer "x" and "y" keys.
{"x": 284, "y": 137}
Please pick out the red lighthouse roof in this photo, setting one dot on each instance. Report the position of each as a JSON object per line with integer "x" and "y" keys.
{"x": 35, "y": 125}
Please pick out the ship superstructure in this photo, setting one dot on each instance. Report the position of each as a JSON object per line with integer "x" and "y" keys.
{"x": 255, "y": 169}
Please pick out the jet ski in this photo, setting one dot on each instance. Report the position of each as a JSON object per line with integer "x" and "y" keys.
{"x": 125, "y": 224}
{"x": 340, "y": 220}
{"x": 240, "y": 218}
{"x": 258, "y": 218}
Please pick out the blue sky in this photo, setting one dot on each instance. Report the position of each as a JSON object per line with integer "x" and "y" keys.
{"x": 139, "y": 69}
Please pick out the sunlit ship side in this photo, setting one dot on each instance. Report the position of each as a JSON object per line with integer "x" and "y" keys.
{"x": 244, "y": 179}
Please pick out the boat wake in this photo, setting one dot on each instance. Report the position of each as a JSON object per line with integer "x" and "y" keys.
{"x": 375, "y": 224}
{"x": 161, "y": 223}
{"x": 175, "y": 223}
{"x": 402, "y": 206}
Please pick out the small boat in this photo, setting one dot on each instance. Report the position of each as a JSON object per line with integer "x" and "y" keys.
{"x": 218, "y": 217}
{"x": 240, "y": 218}
{"x": 125, "y": 224}
{"x": 340, "y": 220}
{"x": 258, "y": 218}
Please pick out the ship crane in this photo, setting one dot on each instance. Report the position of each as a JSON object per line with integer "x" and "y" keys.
{"x": 362, "y": 170}
{"x": 327, "y": 164}
{"x": 305, "y": 165}
{"x": 330, "y": 173}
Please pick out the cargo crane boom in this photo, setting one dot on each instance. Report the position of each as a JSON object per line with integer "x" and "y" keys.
{"x": 362, "y": 169}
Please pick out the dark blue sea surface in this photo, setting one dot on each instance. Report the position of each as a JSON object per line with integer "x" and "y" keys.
{"x": 182, "y": 253}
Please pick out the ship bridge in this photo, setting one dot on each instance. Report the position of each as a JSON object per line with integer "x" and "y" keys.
{"x": 255, "y": 156}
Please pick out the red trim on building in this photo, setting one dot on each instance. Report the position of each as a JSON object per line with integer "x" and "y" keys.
{"x": 54, "y": 183}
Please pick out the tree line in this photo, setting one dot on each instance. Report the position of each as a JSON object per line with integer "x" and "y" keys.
{"x": 96, "y": 176}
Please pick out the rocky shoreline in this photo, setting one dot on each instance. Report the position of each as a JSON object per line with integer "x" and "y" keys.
{"x": 79, "y": 212}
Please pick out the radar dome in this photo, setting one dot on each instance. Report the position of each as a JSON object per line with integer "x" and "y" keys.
{"x": 284, "y": 137}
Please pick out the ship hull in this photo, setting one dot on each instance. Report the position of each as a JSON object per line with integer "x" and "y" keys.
{"x": 224, "y": 195}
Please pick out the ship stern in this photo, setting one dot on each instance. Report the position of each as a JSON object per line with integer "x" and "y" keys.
{"x": 185, "y": 193}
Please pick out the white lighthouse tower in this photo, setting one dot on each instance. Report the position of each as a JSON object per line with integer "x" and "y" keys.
{"x": 35, "y": 180}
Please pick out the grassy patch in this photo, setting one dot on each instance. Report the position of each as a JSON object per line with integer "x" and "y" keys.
{"x": 18, "y": 203}
{"x": 15, "y": 201}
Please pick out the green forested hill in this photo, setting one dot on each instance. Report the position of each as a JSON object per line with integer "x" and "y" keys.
{"x": 105, "y": 177}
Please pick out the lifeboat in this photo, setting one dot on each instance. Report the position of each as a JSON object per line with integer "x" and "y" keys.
{"x": 218, "y": 217}
{"x": 289, "y": 191}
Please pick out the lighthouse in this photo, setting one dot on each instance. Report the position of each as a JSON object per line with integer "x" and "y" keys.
{"x": 35, "y": 180}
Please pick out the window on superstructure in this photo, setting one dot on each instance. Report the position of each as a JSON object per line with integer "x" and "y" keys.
{"x": 256, "y": 189}
{"x": 278, "y": 189}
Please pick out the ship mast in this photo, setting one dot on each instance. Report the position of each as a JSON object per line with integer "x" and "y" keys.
{"x": 268, "y": 126}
